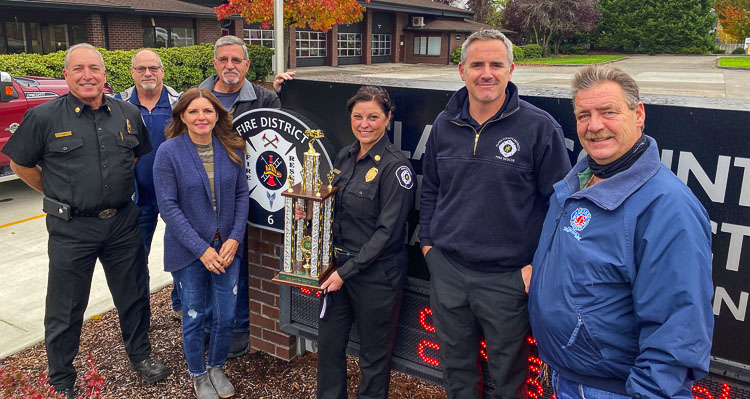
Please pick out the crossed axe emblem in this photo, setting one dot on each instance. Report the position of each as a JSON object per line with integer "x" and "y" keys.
{"x": 272, "y": 142}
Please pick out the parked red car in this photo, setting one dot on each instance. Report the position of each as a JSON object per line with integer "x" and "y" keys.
{"x": 17, "y": 95}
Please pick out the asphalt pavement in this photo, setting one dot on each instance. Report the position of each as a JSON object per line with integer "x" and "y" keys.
{"x": 23, "y": 234}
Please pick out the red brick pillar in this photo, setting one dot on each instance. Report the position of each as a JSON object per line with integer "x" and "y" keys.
{"x": 332, "y": 58}
{"x": 367, "y": 38}
{"x": 237, "y": 28}
{"x": 208, "y": 30}
{"x": 263, "y": 250}
{"x": 292, "y": 54}
{"x": 399, "y": 22}
{"x": 94, "y": 30}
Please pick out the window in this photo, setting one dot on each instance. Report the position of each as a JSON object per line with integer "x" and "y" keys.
{"x": 427, "y": 45}
{"x": 311, "y": 44}
{"x": 162, "y": 36}
{"x": 16, "y": 35}
{"x": 350, "y": 44}
{"x": 182, "y": 36}
{"x": 381, "y": 44}
{"x": 259, "y": 37}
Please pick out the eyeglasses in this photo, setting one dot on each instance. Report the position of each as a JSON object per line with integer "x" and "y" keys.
{"x": 152, "y": 69}
{"x": 234, "y": 60}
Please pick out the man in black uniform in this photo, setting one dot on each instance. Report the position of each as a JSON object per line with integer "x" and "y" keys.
{"x": 79, "y": 151}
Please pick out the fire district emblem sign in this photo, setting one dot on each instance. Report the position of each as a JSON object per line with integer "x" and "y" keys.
{"x": 275, "y": 146}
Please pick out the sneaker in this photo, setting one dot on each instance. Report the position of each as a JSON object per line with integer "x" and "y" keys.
{"x": 220, "y": 382}
{"x": 151, "y": 369}
{"x": 177, "y": 315}
{"x": 240, "y": 345}
{"x": 203, "y": 387}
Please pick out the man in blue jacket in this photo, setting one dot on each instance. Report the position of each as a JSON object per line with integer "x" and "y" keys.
{"x": 155, "y": 101}
{"x": 620, "y": 299}
{"x": 488, "y": 170}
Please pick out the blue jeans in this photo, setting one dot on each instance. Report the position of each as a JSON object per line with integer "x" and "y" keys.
{"x": 198, "y": 288}
{"x": 147, "y": 220}
{"x": 567, "y": 389}
{"x": 242, "y": 314}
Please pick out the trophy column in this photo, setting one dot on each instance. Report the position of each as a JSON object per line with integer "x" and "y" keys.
{"x": 308, "y": 260}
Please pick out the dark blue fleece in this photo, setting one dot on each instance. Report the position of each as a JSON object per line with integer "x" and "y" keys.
{"x": 484, "y": 206}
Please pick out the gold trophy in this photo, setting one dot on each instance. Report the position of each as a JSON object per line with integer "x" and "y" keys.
{"x": 307, "y": 260}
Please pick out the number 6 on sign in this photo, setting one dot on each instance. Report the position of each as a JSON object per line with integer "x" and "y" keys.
{"x": 270, "y": 220}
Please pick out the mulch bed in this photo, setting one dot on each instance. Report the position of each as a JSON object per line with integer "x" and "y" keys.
{"x": 255, "y": 375}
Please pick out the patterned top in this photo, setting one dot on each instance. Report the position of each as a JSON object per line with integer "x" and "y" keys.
{"x": 206, "y": 154}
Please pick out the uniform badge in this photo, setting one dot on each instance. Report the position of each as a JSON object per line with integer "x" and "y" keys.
{"x": 580, "y": 218}
{"x": 403, "y": 174}
{"x": 63, "y": 134}
{"x": 508, "y": 146}
{"x": 371, "y": 174}
{"x": 127, "y": 125}
{"x": 336, "y": 171}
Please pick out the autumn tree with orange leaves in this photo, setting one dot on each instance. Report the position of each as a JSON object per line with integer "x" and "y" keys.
{"x": 734, "y": 17}
{"x": 317, "y": 14}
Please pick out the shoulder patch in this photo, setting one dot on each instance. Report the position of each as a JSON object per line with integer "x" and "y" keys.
{"x": 404, "y": 177}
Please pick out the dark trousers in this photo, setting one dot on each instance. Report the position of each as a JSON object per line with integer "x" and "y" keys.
{"x": 73, "y": 248}
{"x": 372, "y": 299}
{"x": 466, "y": 303}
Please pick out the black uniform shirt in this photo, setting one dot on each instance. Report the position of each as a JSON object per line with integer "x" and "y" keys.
{"x": 86, "y": 155}
{"x": 374, "y": 198}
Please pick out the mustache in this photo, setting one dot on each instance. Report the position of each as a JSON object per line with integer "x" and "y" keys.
{"x": 597, "y": 135}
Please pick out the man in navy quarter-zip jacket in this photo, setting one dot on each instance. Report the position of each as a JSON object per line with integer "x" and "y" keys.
{"x": 488, "y": 170}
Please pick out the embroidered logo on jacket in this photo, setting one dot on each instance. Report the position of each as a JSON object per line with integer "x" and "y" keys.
{"x": 507, "y": 146}
{"x": 403, "y": 174}
{"x": 579, "y": 219}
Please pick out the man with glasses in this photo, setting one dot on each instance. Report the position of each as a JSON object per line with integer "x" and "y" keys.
{"x": 155, "y": 101}
{"x": 239, "y": 95}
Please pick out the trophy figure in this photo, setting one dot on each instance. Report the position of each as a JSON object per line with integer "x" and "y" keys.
{"x": 307, "y": 258}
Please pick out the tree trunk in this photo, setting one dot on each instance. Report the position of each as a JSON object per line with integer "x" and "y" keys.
{"x": 557, "y": 45}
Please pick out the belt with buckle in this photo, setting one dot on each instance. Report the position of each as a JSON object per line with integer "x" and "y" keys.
{"x": 103, "y": 214}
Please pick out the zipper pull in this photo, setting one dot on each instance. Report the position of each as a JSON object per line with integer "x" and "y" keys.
{"x": 476, "y": 140}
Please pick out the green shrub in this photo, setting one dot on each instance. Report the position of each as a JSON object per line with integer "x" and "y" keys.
{"x": 738, "y": 50}
{"x": 456, "y": 55}
{"x": 717, "y": 50}
{"x": 183, "y": 66}
{"x": 691, "y": 50}
{"x": 518, "y": 53}
{"x": 573, "y": 49}
{"x": 532, "y": 50}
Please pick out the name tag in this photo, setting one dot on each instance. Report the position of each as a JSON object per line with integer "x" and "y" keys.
{"x": 63, "y": 134}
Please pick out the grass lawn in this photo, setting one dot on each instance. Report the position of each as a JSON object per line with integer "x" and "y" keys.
{"x": 742, "y": 62}
{"x": 572, "y": 59}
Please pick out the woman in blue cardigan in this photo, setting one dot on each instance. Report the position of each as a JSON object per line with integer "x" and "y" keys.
{"x": 202, "y": 192}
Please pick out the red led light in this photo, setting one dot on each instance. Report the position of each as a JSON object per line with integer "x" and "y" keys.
{"x": 423, "y": 320}
{"x": 531, "y": 340}
{"x": 703, "y": 392}
{"x": 308, "y": 291}
{"x": 483, "y": 349}
{"x": 427, "y": 359}
{"x": 725, "y": 389}
{"x": 534, "y": 388}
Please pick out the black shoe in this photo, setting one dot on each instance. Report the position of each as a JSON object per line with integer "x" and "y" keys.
{"x": 151, "y": 369}
{"x": 69, "y": 393}
{"x": 240, "y": 345}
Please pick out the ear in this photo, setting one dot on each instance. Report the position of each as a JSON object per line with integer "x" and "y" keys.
{"x": 640, "y": 115}
{"x": 461, "y": 71}
{"x": 65, "y": 73}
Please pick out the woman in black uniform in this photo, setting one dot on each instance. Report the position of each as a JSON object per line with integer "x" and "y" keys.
{"x": 376, "y": 191}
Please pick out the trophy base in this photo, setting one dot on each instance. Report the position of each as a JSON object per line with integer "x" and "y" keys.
{"x": 303, "y": 280}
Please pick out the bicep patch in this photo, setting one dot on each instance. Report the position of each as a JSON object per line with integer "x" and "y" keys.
{"x": 405, "y": 179}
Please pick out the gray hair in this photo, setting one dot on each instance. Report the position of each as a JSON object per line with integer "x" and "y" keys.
{"x": 80, "y": 46}
{"x": 593, "y": 75}
{"x": 227, "y": 40}
{"x": 487, "y": 34}
{"x": 132, "y": 60}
